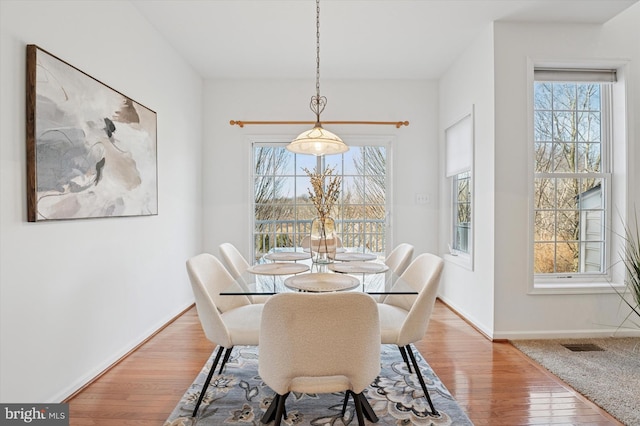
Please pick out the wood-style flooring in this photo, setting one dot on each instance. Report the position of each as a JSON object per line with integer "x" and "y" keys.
{"x": 494, "y": 383}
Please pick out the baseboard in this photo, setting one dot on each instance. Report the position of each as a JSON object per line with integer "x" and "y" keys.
{"x": 567, "y": 334}
{"x": 486, "y": 333}
{"x": 103, "y": 370}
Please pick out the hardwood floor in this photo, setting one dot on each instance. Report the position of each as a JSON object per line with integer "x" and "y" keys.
{"x": 493, "y": 382}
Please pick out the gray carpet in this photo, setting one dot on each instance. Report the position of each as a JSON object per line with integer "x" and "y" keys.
{"x": 239, "y": 396}
{"x": 609, "y": 377}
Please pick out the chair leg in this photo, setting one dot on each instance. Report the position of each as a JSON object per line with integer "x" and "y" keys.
{"x": 421, "y": 379}
{"x": 227, "y": 354}
{"x": 358, "y": 405}
{"x": 403, "y": 352}
{"x": 346, "y": 400}
{"x": 369, "y": 414}
{"x": 276, "y": 410}
{"x": 360, "y": 399}
{"x": 206, "y": 382}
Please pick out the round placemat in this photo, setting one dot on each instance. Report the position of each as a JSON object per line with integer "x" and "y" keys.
{"x": 359, "y": 267}
{"x": 322, "y": 281}
{"x": 287, "y": 256}
{"x": 351, "y": 257}
{"x": 278, "y": 268}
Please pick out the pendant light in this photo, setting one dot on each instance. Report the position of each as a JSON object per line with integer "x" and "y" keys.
{"x": 317, "y": 141}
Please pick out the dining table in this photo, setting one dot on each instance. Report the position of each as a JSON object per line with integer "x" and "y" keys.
{"x": 290, "y": 271}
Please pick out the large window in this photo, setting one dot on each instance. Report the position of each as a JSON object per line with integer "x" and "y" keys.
{"x": 572, "y": 183}
{"x": 283, "y": 212}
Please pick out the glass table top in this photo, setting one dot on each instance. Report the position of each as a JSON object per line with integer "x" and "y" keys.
{"x": 373, "y": 277}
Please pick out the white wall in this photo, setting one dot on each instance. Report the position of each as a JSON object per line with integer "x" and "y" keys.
{"x": 518, "y": 314}
{"x": 76, "y": 295}
{"x": 227, "y": 148}
{"x": 492, "y": 75}
{"x": 468, "y": 85}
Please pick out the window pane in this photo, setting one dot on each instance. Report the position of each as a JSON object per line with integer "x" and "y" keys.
{"x": 264, "y": 160}
{"x": 567, "y": 225}
{"x": 588, "y": 127}
{"x": 545, "y": 226}
{"x": 591, "y": 257}
{"x": 353, "y": 188}
{"x": 564, "y": 96}
{"x": 564, "y": 126}
{"x": 564, "y": 157}
{"x": 593, "y": 229}
{"x": 567, "y": 192}
{"x": 545, "y": 191}
{"x": 588, "y": 157}
{"x": 544, "y": 258}
{"x": 588, "y": 97}
{"x": 542, "y": 96}
{"x": 567, "y": 257}
{"x": 542, "y": 129}
{"x": 374, "y": 189}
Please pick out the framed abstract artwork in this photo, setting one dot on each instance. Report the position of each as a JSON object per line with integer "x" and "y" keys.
{"x": 91, "y": 151}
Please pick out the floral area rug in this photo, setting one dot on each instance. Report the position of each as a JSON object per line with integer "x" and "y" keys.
{"x": 239, "y": 396}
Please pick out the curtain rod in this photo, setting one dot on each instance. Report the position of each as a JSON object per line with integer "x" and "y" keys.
{"x": 242, "y": 123}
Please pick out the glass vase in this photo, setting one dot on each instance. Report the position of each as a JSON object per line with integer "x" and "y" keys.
{"x": 324, "y": 240}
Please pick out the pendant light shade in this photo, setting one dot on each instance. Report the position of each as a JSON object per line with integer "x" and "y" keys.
{"x": 317, "y": 141}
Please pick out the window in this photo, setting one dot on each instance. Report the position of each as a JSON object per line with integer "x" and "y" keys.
{"x": 572, "y": 181}
{"x": 458, "y": 167}
{"x": 461, "y": 212}
{"x": 282, "y": 210}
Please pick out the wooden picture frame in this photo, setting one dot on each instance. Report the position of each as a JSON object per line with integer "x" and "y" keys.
{"x": 91, "y": 151}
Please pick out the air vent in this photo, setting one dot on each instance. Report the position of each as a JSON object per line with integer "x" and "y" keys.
{"x": 582, "y": 347}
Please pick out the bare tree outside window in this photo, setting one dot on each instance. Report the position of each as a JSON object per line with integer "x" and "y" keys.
{"x": 283, "y": 211}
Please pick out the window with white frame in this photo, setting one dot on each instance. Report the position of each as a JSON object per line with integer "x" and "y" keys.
{"x": 572, "y": 173}
{"x": 283, "y": 212}
{"x": 461, "y": 212}
{"x": 458, "y": 167}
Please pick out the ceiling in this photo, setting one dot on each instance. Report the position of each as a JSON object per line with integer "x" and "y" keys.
{"x": 396, "y": 39}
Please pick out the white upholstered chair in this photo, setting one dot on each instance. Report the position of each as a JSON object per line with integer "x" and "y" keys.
{"x": 397, "y": 261}
{"x": 226, "y": 320}
{"x": 319, "y": 343}
{"x": 399, "y": 258}
{"x": 404, "y": 318}
{"x": 306, "y": 243}
{"x": 237, "y": 265}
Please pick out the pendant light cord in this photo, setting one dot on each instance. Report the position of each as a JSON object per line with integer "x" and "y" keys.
{"x": 318, "y": 102}
{"x": 318, "y": 49}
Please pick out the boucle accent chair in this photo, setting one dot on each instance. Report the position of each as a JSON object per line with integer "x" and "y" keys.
{"x": 397, "y": 261}
{"x": 237, "y": 266}
{"x": 399, "y": 258}
{"x": 404, "y": 318}
{"x": 319, "y": 343}
{"x": 226, "y": 320}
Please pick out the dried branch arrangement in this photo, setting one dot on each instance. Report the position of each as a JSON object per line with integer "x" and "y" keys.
{"x": 325, "y": 189}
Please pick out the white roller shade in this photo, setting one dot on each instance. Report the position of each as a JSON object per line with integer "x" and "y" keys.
{"x": 459, "y": 147}
{"x": 575, "y": 75}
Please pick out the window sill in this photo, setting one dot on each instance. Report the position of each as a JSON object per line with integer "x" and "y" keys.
{"x": 574, "y": 287}
{"x": 464, "y": 261}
